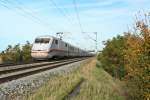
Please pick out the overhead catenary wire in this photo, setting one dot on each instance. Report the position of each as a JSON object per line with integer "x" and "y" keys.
{"x": 6, "y": 6}
{"x": 79, "y": 20}
{"x": 77, "y": 15}
{"x": 21, "y": 11}
{"x": 32, "y": 15}
{"x": 24, "y": 13}
{"x": 80, "y": 25}
{"x": 62, "y": 12}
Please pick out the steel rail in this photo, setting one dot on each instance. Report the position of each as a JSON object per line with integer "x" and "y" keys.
{"x": 22, "y": 73}
{"x": 32, "y": 62}
{"x": 9, "y": 69}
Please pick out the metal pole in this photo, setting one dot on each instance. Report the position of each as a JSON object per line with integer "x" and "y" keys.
{"x": 59, "y": 35}
{"x": 96, "y": 41}
{"x": 96, "y": 50}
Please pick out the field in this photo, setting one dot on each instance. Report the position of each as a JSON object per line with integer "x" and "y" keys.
{"x": 96, "y": 84}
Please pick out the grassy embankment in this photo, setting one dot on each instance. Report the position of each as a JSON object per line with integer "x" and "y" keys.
{"x": 97, "y": 85}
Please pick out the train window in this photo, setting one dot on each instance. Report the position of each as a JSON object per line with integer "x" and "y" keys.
{"x": 66, "y": 44}
{"x": 45, "y": 40}
{"x": 42, "y": 40}
{"x": 37, "y": 40}
{"x": 56, "y": 41}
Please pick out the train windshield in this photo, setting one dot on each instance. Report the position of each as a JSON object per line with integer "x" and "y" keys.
{"x": 42, "y": 40}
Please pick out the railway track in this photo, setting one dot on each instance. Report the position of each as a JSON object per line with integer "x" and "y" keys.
{"x": 8, "y": 73}
{"x": 32, "y": 62}
{"x": 16, "y": 64}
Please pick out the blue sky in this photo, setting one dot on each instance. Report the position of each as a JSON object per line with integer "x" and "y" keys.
{"x": 22, "y": 20}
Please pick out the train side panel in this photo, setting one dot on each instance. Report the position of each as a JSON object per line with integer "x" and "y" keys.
{"x": 55, "y": 48}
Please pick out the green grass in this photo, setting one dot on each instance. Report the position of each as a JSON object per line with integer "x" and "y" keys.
{"x": 100, "y": 87}
{"x": 97, "y": 85}
{"x": 57, "y": 87}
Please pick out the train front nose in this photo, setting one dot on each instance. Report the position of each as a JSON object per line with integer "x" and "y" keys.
{"x": 39, "y": 55}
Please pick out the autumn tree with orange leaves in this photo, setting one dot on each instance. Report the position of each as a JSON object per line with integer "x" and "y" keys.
{"x": 137, "y": 56}
{"x": 134, "y": 52}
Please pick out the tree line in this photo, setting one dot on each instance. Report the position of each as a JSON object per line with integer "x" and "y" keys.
{"x": 17, "y": 53}
{"x": 127, "y": 58}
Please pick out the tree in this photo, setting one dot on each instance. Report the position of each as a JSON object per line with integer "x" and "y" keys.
{"x": 130, "y": 55}
{"x": 137, "y": 56}
{"x": 26, "y": 52}
{"x": 16, "y": 54}
{"x": 112, "y": 56}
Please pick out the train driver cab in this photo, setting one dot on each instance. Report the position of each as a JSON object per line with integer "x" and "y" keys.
{"x": 41, "y": 47}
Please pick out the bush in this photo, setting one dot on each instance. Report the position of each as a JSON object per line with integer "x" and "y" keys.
{"x": 137, "y": 57}
{"x": 128, "y": 58}
{"x": 26, "y": 52}
{"x": 112, "y": 56}
{"x": 16, "y": 54}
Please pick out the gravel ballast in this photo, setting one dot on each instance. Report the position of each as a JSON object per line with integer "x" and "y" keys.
{"x": 17, "y": 89}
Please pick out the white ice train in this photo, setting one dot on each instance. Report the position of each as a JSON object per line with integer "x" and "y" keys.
{"x": 45, "y": 47}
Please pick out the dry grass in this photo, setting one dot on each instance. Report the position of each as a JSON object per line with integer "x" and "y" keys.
{"x": 98, "y": 85}
{"x": 57, "y": 87}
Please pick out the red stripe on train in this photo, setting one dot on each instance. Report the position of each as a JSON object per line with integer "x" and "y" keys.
{"x": 40, "y": 52}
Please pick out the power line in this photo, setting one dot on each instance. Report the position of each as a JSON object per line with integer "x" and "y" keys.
{"x": 5, "y": 5}
{"x": 24, "y": 13}
{"x": 77, "y": 15}
{"x": 79, "y": 21}
{"x": 30, "y": 13}
{"x": 61, "y": 11}
{"x": 89, "y": 35}
{"x": 19, "y": 8}
{"x": 95, "y": 40}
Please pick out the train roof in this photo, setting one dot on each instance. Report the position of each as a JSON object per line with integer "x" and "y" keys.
{"x": 46, "y": 36}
